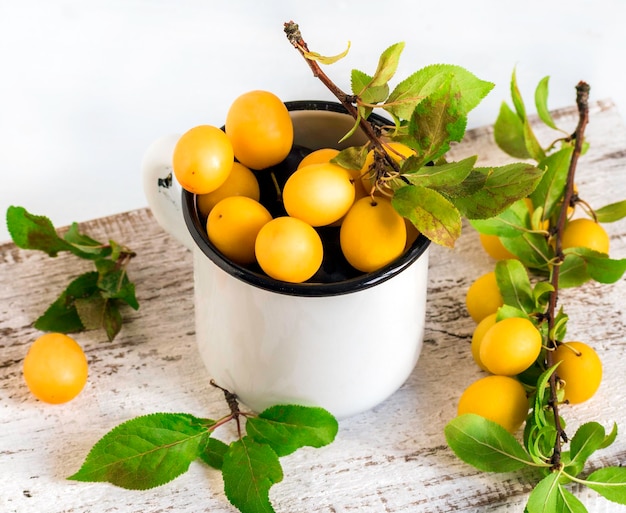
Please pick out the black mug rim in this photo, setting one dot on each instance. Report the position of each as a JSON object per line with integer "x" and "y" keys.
{"x": 306, "y": 289}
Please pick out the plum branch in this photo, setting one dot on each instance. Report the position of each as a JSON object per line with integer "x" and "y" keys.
{"x": 582, "y": 103}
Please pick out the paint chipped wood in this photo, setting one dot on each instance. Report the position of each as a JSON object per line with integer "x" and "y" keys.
{"x": 391, "y": 459}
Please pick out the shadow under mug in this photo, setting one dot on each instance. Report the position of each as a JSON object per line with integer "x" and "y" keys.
{"x": 346, "y": 344}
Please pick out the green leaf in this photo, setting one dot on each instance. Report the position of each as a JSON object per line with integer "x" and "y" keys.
{"x": 514, "y": 285}
{"x": 387, "y": 65}
{"x": 543, "y": 441}
{"x": 431, "y": 213}
{"x": 516, "y": 96}
{"x": 91, "y": 310}
{"x": 541, "y": 293}
{"x": 540, "y": 399}
{"x": 114, "y": 283}
{"x": 610, "y": 438}
{"x": 508, "y": 311}
{"x": 610, "y": 482}
{"x": 511, "y": 222}
{"x": 599, "y": 266}
{"x": 213, "y": 453}
{"x": 373, "y": 95}
{"x": 249, "y": 470}
{"x": 611, "y": 213}
{"x": 532, "y": 249}
{"x": 146, "y": 451}
{"x": 473, "y": 183}
{"x": 503, "y": 186}
{"x": 29, "y": 231}
{"x": 560, "y": 325}
{"x": 549, "y": 496}
{"x": 588, "y": 439}
{"x": 573, "y": 271}
{"x": 286, "y": 428}
{"x": 541, "y": 102}
{"x": 97, "y": 312}
{"x": 436, "y": 121}
{"x": 549, "y": 191}
{"x": 62, "y": 316}
{"x": 440, "y": 176}
{"x": 112, "y": 321}
{"x": 352, "y": 157}
{"x": 84, "y": 246}
{"x": 508, "y": 132}
{"x": 485, "y": 445}
{"x": 357, "y": 123}
{"x": 532, "y": 144}
{"x": 410, "y": 92}
{"x": 359, "y": 81}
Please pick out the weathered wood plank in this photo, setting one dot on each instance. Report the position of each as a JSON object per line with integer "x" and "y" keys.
{"x": 393, "y": 458}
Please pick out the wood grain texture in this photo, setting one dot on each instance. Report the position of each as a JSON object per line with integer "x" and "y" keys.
{"x": 391, "y": 459}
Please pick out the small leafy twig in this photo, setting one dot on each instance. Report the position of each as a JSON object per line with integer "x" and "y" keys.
{"x": 151, "y": 450}
{"x": 292, "y": 30}
{"x": 91, "y": 300}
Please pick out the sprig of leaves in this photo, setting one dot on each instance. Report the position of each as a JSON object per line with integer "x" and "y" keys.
{"x": 93, "y": 299}
{"x": 429, "y": 110}
{"x": 151, "y": 450}
{"x": 428, "y": 113}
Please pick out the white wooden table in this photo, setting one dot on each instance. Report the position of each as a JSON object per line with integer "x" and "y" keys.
{"x": 393, "y": 458}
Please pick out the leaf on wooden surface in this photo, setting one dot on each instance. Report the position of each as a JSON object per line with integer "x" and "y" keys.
{"x": 612, "y": 212}
{"x": 30, "y": 231}
{"x": 550, "y": 496}
{"x": 588, "y": 438}
{"x": 146, "y": 451}
{"x": 286, "y": 428}
{"x": 610, "y": 482}
{"x": 485, "y": 444}
{"x": 213, "y": 453}
{"x": 249, "y": 470}
{"x": 598, "y": 266}
{"x": 62, "y": 315}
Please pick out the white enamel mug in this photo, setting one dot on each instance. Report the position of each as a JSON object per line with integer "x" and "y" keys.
{"x": 346, "y": 345}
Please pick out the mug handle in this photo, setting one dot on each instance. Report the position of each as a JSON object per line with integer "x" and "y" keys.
{"x": 162, "y": 190}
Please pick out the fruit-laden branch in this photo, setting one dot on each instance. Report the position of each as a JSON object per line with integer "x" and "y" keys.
{"x": 582, "y": 102}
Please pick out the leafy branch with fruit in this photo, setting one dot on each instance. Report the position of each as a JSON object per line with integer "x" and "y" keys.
{"x": 377, "y": 197}
{"x": 521, "y": 339}
{"x": 405, "y": 161}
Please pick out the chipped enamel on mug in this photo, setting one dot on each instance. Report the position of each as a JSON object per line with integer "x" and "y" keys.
{"x": 346, "y": 345}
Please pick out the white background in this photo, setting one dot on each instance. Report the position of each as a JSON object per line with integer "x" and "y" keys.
{"x": 86, "y": 86}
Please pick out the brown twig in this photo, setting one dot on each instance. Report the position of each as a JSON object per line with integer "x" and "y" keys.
{"x": 292, "y": 30}
{"x": 582, "y": 102}
{"x": 233, "y": 404}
